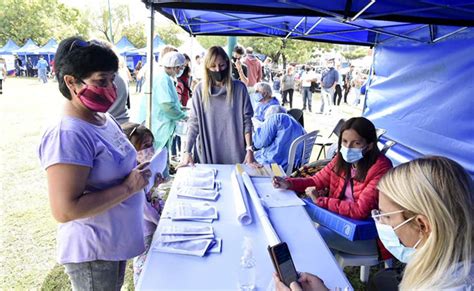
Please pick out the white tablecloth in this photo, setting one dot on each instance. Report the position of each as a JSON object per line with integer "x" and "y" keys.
{"x": 164, "y": 271}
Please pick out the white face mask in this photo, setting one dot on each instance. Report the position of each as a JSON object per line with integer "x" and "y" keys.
{"x": 391, "y": 241}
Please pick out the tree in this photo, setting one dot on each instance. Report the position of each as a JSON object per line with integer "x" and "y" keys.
{"x": 170, "y": 34}
{"x": 118, "y": 17}
{"x": 39, "y": 20}
{"x": 136, "y": 34}
{"x": 208, "y": 41}
{"x": 357, "y": 52}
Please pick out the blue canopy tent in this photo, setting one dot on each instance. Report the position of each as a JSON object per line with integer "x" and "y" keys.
{"x": 29, "y": 48}
{"x": 124, "y": 45}
{"x": 422, "y": 100}
{"x": 48, "y": 50}
{"x": 9, "y": 47}
{"x": 135, "y": 55}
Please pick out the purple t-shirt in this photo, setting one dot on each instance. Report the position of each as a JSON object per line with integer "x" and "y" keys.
{"x": 116, "y": 234}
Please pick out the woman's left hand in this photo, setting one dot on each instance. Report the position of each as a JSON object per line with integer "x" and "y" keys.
{"x": 159, "y": 179}
{"x": 250, "y": 160}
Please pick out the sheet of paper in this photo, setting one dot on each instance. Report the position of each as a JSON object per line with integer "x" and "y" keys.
{"x": 216, "y": 247}
{"x": 192, "y": 247}
{"x": 196, "y": 193}
{"x": 191, "y": 211}
{"x": 272, "y": 197}
{"x": 157, "y": 165}
{"x": 177, "y": 238}
{"x": 186, "y": 230}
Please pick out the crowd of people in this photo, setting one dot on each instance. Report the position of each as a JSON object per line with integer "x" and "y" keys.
{"x": 96, "y": 163}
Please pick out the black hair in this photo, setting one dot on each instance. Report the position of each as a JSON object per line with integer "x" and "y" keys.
{"x": 80, "y": 59}
{"x": 366, "y": 129}
{"x": 239, "y": 49}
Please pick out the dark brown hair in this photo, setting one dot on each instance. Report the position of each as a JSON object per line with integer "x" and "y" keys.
{"x": 366, "y": 129}
{"x": 136, "y": 133}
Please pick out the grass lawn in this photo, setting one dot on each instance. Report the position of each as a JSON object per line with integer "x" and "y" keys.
{"x": 27, "y": 229}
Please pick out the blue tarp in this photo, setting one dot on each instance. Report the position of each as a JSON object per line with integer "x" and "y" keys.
{"x": 9, "y": 47}
{"x": 424, "y": 99}
{"x": 124, "y": 45}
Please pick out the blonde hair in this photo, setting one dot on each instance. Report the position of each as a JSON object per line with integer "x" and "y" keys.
{"x": 442, "y": 191}
{"x": 210, "y": 59}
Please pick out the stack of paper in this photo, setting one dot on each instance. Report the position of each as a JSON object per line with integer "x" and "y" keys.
{"x": 196, "y": 193}
{"x": 199, "y": 178}
{"x": 202, "y": 212}
{"x": 188, "y": 240}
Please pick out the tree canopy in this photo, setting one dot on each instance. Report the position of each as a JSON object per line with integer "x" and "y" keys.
{"x": 39, "y": 20}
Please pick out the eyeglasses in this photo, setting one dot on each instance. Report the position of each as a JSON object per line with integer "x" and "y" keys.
{"x": 377, "y": 215}
{"x": 78, "y": 43}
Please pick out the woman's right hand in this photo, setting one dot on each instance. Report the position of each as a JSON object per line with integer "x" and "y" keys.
{"x": 280, "y": 183}
{"x": 186, "y": 160}
{"x": 138, "y": 178}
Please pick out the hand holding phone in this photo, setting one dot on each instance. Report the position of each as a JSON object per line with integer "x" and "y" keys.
{"x": 283, "y": 263}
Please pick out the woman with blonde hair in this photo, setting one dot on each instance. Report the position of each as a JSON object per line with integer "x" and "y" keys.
{"x": 220, "y": 123}
{"x": 425, "y": 219}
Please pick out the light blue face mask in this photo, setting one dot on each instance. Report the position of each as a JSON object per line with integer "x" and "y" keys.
{"x": 258, "y": 96}
{"x": 180, "y": 73}
{"x": 391, "y": 241}
{"x": 351, "y": 155}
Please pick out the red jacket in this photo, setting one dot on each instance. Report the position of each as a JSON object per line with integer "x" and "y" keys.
{"x": 365, "y": 193}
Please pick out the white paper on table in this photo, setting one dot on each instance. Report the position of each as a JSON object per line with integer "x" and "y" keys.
{"x": 202, "y": 172}
{"x": 197, "y": 193}
{"x": 157, "y": 165}
{"x": 240, "y": 199}
{"x": 217, "y": 247}
{"x": 205, "y": 182}
{"x": 177, "y": 238}
{"x": 272, "y": 197}
{"x": 186, "y": 230}
{"x": 192, "y": 211}
{"x": 192, "y": 247}
{"x": 270, "y": 233}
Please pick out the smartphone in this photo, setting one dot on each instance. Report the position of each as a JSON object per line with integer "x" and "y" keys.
{"x": 283, "y": 263}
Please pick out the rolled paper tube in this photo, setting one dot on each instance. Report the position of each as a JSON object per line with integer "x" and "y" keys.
{"x": 240, "y": 200}
{"x": 267, "y": 226}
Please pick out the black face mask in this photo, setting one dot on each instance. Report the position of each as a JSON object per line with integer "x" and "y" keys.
{"x": 218, "y": 76}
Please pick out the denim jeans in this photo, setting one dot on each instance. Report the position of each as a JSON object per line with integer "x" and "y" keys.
{"x": 307, "y": 97}
{"x": 96, "y": 275}
{"x": 326, "y": 99}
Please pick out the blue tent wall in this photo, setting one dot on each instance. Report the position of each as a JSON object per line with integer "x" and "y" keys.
{"x": 424, "y": 99}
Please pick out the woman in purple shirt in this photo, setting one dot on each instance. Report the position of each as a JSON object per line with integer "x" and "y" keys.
{"x": 94, "y": 183}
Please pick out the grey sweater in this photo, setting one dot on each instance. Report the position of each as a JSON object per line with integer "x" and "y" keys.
{"x": 218, "y": 129}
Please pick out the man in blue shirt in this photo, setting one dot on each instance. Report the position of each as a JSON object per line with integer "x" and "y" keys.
{"x": 263, "y": 95}
{"x": 273, "y": 139}
{"x": 329, "y": 80}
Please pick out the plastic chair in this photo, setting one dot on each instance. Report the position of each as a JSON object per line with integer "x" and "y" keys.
{"x": 297, "y": 114}
{"x": 364, "y": 262}
{"x": 328, "y": 142}
{"x": 308, "y": 141}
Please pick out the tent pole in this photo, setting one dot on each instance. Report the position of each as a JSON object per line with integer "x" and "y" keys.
{"x": 231, "y": 42}
{"x": 150, "y": 61}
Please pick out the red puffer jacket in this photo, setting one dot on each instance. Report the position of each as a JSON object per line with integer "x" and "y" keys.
{"x": 365, "y": 193}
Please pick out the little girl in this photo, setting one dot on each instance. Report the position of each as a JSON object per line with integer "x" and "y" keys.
{"x": 142, "y": 139}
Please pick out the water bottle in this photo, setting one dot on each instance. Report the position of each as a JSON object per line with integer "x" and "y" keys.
{"x": 247, "y": 273}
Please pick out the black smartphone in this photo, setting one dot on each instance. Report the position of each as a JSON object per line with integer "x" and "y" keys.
{"x": 283, "y": 263}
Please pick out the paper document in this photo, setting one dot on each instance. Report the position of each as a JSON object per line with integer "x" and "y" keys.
{"x": 192, "y": 247}
{"x": 191, "y": 211}
{"x": 196, "y": 193}
{"x": 207, "y": 181}
{"x": 157, "y": 165}
{"x": 186, "y": 230}
{"x": 178, "y": 238}
{"x": 272, "y": 197}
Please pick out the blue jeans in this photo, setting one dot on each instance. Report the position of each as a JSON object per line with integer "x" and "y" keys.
{"x": 96, "y": 275}
{"x": 176, "y": 145}
{"x": 307, "y": 97}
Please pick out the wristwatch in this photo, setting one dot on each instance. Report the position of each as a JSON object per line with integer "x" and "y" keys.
{"x": 250, "y": 148}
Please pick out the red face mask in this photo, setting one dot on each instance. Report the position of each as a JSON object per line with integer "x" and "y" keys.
{"x": 98, "y": 99}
